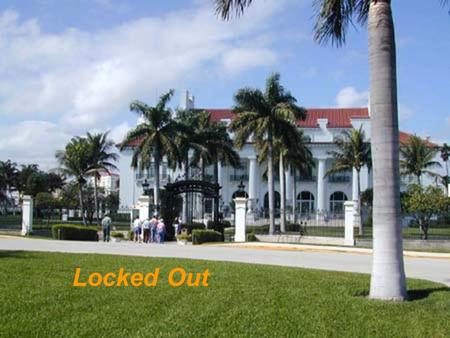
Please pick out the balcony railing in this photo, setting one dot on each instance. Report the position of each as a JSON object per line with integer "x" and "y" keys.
{"x": 339, "y": 179}
{"x": 307, "y": 178}
{"x": 234, "y": 177}
{"x": 150, "y": 176}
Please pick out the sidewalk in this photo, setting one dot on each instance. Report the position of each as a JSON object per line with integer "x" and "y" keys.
{"x": 304, "y": 256}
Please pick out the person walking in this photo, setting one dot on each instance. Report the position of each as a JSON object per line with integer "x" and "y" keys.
{"x": 153, "y": 225}
{"x": 106, "y": 227}
{"x": 176, "y": 226}
{"x": 137, "y": 229}
{"x": 146, "y": 230}
{"x": 161, "y": 230}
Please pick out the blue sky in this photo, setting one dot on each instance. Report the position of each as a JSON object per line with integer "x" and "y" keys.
{"x": 73, "y": 66}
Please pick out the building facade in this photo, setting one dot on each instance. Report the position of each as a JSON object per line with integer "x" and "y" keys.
{"x": 315, "y": 193}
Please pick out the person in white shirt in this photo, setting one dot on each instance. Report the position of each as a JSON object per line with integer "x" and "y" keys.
{"x": 137, "y": 229}
{"x": 146, "y": 230}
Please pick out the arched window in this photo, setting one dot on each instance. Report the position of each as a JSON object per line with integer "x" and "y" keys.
{"x": 337, "y": 200}
{"x": 305, "y": 202}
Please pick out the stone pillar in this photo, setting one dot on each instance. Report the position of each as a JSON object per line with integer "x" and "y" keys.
{"x": 27, "y": 215}
{"x": 239, "y": 222}
{"x": 349, "y": 208}
{"x": 321, "y": 187}
{"x": 144, "y": 207}
{"x": 252, "y": 184}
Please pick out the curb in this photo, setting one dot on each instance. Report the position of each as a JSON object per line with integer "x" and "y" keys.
{"x": 321, "y": 248}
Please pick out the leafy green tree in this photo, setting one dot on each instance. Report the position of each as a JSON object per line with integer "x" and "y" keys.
{"x": 47, "y": 203}
{"x": 333, "y": 19}
{"x": 112, "y": 202}
{"x": 102, "y": 158}
{"x": 417, "y": 158}
{"x": 265, "y": 117}
{"x": 24, "y": 173}
{"x": 353, "y": 152}
{"x": 156, "y": 136}
{"x": 8, "y": 181}
{"x": 74, "y": 161}
{"x": 423, "y": 204}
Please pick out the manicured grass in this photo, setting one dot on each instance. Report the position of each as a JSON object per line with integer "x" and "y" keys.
{"x": 242, "y": 300}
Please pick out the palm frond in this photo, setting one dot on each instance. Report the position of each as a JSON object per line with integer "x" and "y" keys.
{"x": 227, "y": 8}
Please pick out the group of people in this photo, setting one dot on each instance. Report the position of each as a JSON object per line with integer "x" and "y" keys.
{"x": 149, "y": 230}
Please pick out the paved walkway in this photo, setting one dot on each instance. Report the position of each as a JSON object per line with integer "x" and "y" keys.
{"x": 434, "y": 269}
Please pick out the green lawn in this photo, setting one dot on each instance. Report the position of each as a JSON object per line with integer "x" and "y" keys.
{"x": 242, "y": 300}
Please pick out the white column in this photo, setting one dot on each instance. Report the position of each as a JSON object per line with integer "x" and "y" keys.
{"x": 321, "y": 185}
{"x": 252, "y": 184}
{"x": 239, "y": 223}
{"x": 354, "y": 185}
{"x": 27, "y": 215}
{"x": 349, "y": 209}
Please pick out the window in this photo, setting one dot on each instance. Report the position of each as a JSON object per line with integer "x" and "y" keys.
{"x": 241, "y": 173}
{"x": 337, "y": 200}
{"x": 305, "y": 202}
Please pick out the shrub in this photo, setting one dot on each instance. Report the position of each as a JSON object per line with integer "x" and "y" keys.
{"x": 117, "y": 234}
{"x": 205, "y": 236}
{"x": 218, "y": 226}
{"x": 193, "y": 226}
{"x": 251, "y": 237}
{"x": 183, "y": 237}
{"x": 74, "y": 232}
{"x": 258, "y": 229}
{"x": 131, "y": 235}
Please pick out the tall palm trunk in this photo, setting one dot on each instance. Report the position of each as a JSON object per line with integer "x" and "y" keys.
{"x": 186, "y": 195}
{"x": 156, "y": 186}
{"x": 96, "y": 200}
{"x": 283, "y": 196}
{"x": 216, "y": 200}
{"x": 294, "y": 197}
{"x": 271, "y": 185}
{"x": 80, "y": 196}
{"x": 388, "y": 274}
{"x": 360, "y": 220}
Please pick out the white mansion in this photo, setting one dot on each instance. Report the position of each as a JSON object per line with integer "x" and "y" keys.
{"x": 314, "y": 193}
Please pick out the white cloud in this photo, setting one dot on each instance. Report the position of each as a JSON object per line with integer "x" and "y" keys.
{"x": 32, "y": 142}
{"x": 89, "y": 77}
{"x": 81, "y": 80}
{"x": 239, "y": 59}
{"x": 349, "y": 97}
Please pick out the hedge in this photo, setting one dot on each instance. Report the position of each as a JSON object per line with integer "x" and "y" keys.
{"x": 219, "y": 225}
{"x": 192, "y": 226}
{"x": 204, "y": 236}
{"x": 74, "y": 232}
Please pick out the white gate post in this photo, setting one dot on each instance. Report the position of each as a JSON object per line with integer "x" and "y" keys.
{"x": 27, "y": 215}
{"x": 349, "y": 207}
{"x": 240, "y": 204}
{"x": 144, "y": 207}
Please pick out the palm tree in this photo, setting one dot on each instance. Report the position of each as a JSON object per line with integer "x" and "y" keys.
{"x": 74, "y": 161}
{"x": 417, "y": 157}
{"x": 101, "y": 160}
{"x": 445, "y": 155}
{"x": 211, "y": 144}
{"x": 333, "y": 19}
{"x": 353, "y": 152}
{"x": 289, "y": 150}
{"x": 156, "y": 136}
{"x": 265, "y": 117}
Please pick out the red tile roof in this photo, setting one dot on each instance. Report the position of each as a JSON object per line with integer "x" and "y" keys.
{"x": 337, "y": 117}
{"x": 404, "y": 138}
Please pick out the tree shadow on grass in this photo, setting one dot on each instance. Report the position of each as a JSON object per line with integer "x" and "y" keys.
{"x": 13, "y": 254}
{"x": 413, "y": 295}
{"x": 424, "y": 293}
